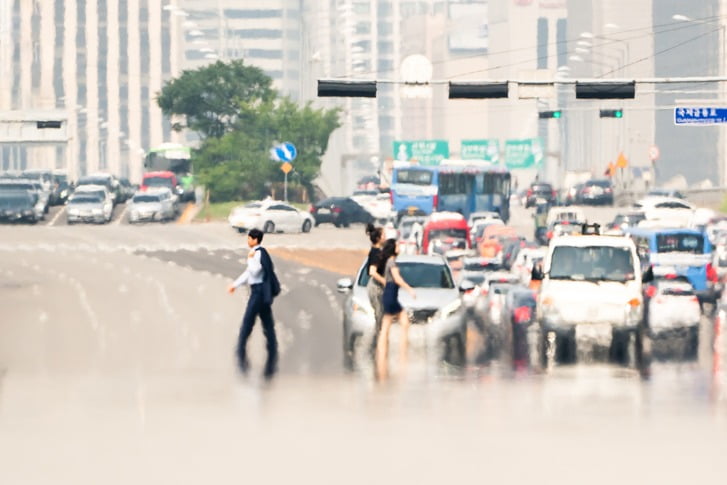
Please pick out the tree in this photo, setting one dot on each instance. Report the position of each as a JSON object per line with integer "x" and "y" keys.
{"x": 239, "y": 118}
{"x": 209, "y": 98}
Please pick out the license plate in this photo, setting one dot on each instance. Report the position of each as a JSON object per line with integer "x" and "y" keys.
{"x": 324, "y": 211}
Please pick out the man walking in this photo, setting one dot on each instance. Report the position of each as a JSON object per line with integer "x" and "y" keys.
{"x": 264, "y": 286}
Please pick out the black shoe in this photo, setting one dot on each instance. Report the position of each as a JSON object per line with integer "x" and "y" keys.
{"x": 244, "y": 366}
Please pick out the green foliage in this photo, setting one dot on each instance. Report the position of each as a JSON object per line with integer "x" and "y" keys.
{"x": 209, "y": 98}
{"x": 241, "y": 119}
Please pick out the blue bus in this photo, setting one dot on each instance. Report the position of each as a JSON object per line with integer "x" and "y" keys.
{"x": 686, "y": 252}
{"x": 463, "y": 187}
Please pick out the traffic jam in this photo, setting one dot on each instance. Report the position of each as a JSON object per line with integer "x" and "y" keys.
{"x": 30, "y": 196}
{"x": 644, "y": 286}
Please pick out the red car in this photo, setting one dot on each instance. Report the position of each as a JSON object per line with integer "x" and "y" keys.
{"x": 160, "y": 179}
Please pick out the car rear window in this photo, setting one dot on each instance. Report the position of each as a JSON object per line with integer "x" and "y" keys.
{"x": 680, "y": 243}
{"x": 425, "y": 275}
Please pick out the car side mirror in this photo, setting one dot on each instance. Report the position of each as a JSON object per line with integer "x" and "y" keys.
{"x": 648, "y": 275}
{"x": 536, "y": 274}
{"x": 344, "y": 285}
{"x": 465, "y": 286}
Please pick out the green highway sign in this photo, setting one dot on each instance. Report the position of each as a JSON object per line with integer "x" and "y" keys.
{"x": 426, "y": 152}
{"x": 484, "y": 149}
{"x": 524, "y": 153}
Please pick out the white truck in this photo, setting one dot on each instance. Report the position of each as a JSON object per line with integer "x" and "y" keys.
{"x": 590, "y": 293}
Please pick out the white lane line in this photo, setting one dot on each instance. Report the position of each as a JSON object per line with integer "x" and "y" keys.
{"x": 117, "y": 222}
{"x": 55, "y": 217}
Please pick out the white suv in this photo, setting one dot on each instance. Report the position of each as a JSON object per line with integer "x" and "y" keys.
{"x": 590, "y": 291}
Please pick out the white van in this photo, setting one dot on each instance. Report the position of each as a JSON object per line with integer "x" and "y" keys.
{"x": 590, "y": 290}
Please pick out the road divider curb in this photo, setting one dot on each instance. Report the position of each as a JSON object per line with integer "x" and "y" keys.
{"x": 188, "y": 214}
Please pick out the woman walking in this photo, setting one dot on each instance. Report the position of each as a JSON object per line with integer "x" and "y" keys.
{"x": 392, "y": 309}
{"x": 376, "y": 282}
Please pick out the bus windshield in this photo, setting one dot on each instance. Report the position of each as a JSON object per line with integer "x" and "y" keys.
{"x": 413, "y": 176}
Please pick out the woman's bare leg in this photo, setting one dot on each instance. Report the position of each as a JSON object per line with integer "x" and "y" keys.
{"x": 404, "y": 344}
{"x": 382, "y": 347}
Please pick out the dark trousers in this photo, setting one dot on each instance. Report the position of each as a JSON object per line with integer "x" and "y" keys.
{"x": 256, "y": 306}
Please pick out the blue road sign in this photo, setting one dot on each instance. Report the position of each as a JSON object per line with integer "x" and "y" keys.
{"x": 699, "y": 115}
{"x": 284, "y": 152}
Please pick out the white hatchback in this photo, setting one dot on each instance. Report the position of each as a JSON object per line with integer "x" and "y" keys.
{"x": 270, "y": 216}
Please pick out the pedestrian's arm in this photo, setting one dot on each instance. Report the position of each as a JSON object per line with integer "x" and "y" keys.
{"x": 400, "y": 281}
{"x": 373, "y": 273}
{"x": 241, "y": 280}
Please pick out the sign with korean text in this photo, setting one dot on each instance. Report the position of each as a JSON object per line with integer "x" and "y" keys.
{"x": 488, "y": 150}
{"x": 699, "y": 115}
{"x": 524, "y": 153}
{"x": 425, "y": 152}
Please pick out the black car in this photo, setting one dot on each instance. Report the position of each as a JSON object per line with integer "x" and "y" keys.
{"x": 339, "y": 211}
{"x": 595, "y": 192}
{"x": 17, "y": 206}
{"x": 540, "y": 190}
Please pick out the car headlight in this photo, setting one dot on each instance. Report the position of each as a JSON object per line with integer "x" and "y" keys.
{"x": 97, "y": 212}
{"x": 450, "y": 308}
{"x": 364, "y": 308}
{"x": 27, "y": 212}
{"x": 73, "y": 212}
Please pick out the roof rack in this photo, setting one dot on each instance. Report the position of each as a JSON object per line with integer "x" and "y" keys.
{"x": 591, "y": 229}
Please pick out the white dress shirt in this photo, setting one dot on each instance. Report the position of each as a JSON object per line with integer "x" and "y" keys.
{"x": 253, "y": 274}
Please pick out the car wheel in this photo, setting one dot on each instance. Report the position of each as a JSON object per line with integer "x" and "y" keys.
{"x": 349, "y": 347}
{"x": 306, "y": 226}
{"x": 240, "y": 230}
{"x": 692, "y": 343}
{"x": 269, "y": 227}
{"x": 456, "y": 351}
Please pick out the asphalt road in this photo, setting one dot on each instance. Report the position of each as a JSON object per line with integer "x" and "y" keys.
{"x": 117, "y": 367}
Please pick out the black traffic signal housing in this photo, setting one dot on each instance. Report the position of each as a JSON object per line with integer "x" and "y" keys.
{"x": 612, "y": 113}
{"x": 550, "y": 114}
{"x": 606, "y": 90}
{"x": 346, "y": 89}
{"x": 478, "y": 90}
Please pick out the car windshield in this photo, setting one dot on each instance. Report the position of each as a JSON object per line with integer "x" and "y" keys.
{"x": 425, "y": 275}
{"x": 141, "y": 199}
{"x": 416, "y": 177}
{"x": 680, "y": 243}
{"x": 448, "y": 233}
{"x": 542, "y": 188}
{"x": 592, "y": 263}
{"x": 92, "y": 181}
{"x": 84, "y": 200}
{"x": 13, "y": 200}
{"x": 481, "y": 265}
{"x": 158, "y": 181}
{"x": 600, "y": 183}
{"x": 474, "y": 276}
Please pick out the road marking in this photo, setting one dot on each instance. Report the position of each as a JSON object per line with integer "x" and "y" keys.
{"x": 117, "y": 222}
{"x": 55, "y": 218}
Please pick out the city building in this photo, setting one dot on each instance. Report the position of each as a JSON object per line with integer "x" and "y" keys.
{"x": 265, "y": 33}
{"x": 102, "y": 62}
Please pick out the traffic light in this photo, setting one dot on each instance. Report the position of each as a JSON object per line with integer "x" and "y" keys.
{"x": 606, "y": 90}
{"x": 474, "y": 90}
{"x": 346, "y": 89}
{"x": 550, "y": 114}
{"x": 48, "y": 124}
{"x": 612, "y": 113}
